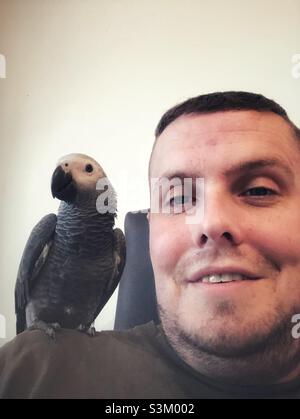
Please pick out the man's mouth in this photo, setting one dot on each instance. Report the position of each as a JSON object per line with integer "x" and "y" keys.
{"x": 228, "y": 277}
{"x": 221, "y": 275}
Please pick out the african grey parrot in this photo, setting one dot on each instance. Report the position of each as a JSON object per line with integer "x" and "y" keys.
{"x": 72, "y": 262}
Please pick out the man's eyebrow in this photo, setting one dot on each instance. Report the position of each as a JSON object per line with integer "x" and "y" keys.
{"x": 252, "y": 165}
{"x": 239, "y": 168}
{"x": 170, "y": 175}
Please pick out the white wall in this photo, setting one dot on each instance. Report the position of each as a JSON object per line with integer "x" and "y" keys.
{"x": 94, "y": 76}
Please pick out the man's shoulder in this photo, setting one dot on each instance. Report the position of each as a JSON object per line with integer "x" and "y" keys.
{"x": 34, "y": 365}
{"x": 32, "y": 341}
{"x": 35, "y": 347}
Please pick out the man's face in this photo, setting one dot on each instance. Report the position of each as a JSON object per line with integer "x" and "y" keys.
{"x": 249, "y": 231}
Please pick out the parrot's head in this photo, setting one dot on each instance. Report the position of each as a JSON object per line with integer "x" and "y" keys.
{"x": 76, "y": 176}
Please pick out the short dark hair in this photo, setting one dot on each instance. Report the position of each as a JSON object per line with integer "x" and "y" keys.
{"x": 220, "y": 102}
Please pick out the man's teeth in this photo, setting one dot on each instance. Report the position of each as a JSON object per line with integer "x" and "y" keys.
{"x": 223, "y": 278}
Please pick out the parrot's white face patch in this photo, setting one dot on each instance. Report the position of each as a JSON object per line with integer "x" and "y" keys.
{"x": 85, "y": 170}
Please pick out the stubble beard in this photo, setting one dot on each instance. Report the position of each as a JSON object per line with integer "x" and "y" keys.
{"x": 265, "y": 353}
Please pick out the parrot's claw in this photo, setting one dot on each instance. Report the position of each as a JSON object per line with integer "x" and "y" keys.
{"x": 91, "y": 331}
{"x": 56, "y": 326}
{"x": 50, "y": 332}
{"x": 48, "y": 328}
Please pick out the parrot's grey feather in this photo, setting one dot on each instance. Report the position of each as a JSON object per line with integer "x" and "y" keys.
{"x": 120, "y": 259}
{"x": 33, "y": 258}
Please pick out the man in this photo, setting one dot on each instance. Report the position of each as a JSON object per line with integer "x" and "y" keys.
{"x": 227, "y": 278}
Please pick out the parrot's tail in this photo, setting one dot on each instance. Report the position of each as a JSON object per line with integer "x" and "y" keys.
{"x": 21, "y": 322}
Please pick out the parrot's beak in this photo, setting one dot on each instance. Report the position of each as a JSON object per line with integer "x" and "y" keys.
{"x": 62, "y": 186}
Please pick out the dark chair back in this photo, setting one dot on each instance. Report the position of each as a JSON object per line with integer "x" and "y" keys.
{"x": 136, "y": 298}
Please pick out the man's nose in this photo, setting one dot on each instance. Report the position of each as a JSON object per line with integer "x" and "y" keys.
{"x": 220, "y": 223}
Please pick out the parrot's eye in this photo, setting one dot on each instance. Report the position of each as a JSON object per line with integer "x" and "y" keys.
{"x": 89, "y": 168}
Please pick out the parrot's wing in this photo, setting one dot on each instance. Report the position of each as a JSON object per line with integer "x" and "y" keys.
{"x": 120, "y": 258}
{"x": 33, "y": 258}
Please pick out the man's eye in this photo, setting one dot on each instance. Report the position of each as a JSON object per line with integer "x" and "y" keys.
{"x": 259, "y": 191}
{"x": 179, "y": 200}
